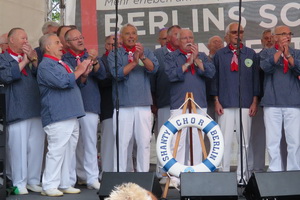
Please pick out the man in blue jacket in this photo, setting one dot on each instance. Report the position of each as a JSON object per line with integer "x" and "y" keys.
{"x": 281, "y": 100}
{"x": 86, "y": 161}
{"x": 225, "y": 89}
{"x": 187, "y": 69}
{"x": 134, "y": 66}
{"x": 18, "y": 66}
{"x": 61, "y": 106}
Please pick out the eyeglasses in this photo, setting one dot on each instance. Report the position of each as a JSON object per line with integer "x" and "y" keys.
{"x": 236, "y": 32}
{"x": 76, "y": 39}
{"x": 285, "y": 34}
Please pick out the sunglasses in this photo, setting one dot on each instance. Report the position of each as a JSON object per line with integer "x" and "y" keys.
{"x": 236, "y": 32}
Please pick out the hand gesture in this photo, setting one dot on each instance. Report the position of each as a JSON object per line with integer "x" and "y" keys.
{"x": 27, "y": 49}
{"x": 283, "y": 44}
{"x": 93, "y": 54}
{"x": 82, "y": 67}
{"x": 139, "y": 49}
{"x": 195, "y": 51}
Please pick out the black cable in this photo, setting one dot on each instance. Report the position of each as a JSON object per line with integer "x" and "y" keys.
{"x": 116, "y": 86}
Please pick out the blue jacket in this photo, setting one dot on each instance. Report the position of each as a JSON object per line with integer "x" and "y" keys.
{"x": 226, "y": 82}
{"x": 105, "y": 86}
{"x": 90, "y": 92}
{"x": 183, "y": 82}
{"x": 60, "y": 94}
{"x": 280, "y": 90}
{"x": 160, "y": 84}
{"x": 21, "y": 92}
{"x": 134, "y": 88}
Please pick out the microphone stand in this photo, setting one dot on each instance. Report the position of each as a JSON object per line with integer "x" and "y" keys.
{"x": 116, "y": 86}
{"x": 242, "y": 180}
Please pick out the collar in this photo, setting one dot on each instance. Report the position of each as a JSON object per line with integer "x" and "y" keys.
{"x": 76, "y": 55}
{"x": 184, "y": 52}
{"x": 14, "y": 53}
{"x": 51, "y": 57}
{"x": 227, "y": 50}
{"x": 128, "y": 50}
{"x": 169, "y": 47}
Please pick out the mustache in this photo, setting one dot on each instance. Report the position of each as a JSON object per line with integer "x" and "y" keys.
{"x": 188, "y": 44}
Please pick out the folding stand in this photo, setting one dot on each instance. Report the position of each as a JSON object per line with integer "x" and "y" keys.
{"x": 190, "y": 104}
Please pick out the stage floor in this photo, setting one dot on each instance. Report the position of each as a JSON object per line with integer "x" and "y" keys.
{"x": 85, "y": 194}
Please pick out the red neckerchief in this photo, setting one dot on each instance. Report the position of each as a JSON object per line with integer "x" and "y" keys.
{"x": 234, "y": 60}
{"x": 2, "y": 52}
{"x": 64, "y": 52}
{"x": 130, "y": 53}
{"x": 285, "y": 61}
{"x": 188, "y": 56}
{"x": 77, "y": 56}
{"x": 169, "y": 46}
{"x": 106, "y": 52}
{"x": 20, "y": 58}
{"x": 60, "y": 62}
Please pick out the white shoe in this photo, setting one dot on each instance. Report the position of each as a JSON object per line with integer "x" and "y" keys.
{"x": 70, "y": 190}
{"x": 163, "y": 180}
{"x": 95, "y": 185}
{"x": 34, "y": 188}
{"x": 22, "y": 191}
{"x": 53, "y": 192}
{"x": 174, "y": 182}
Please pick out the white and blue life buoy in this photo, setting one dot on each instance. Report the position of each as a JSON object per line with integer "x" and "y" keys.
{"x": 171, "y": 127}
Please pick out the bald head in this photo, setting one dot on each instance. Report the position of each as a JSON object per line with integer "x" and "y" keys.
{"x": 282, "y": 34}
{"x": 214, "y": 44}
{"x": 3, "y": 42}
{"x": 17, "y": 37}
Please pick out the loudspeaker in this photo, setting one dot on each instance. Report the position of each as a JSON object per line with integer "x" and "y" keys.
{"x": 271, "y": 185}
{"x": 146, "y": 180}
{"x": 208, "y": 186}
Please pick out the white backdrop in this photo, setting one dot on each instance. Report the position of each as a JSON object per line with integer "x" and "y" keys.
{"x": 26, "y": 14}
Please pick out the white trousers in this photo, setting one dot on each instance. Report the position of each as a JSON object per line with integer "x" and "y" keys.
{"x": 62, "y": 140}
{"x": 134, "y": 122}
{"x": 257, "y": 146}
{"x": 107, "y": 145}
{"x": 290, "y": 117}
{"x": 229, "y": 122}
{"x": 183, "y": 151}
{"x": 85, "y": 161}
{"x": 26, "y": 141}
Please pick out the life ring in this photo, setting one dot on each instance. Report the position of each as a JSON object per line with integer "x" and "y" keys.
{"x": 171, "y": 127}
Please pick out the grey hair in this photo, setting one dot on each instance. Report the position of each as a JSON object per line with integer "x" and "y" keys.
{"x": 209, "y": 39}
{"x": 47, "y": 25}
{"x": 179, "y": 33}
{"x": 44, "y": 41}
{"x": 171, "y": 28}
{"x": 229, "y": 25}
{"x": 126, "y": 25}
{"x": 275, "y": 28}
{"x": 13, "y": 30}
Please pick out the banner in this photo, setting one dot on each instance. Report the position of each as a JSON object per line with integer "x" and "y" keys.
{"x": 205, "y": 18}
